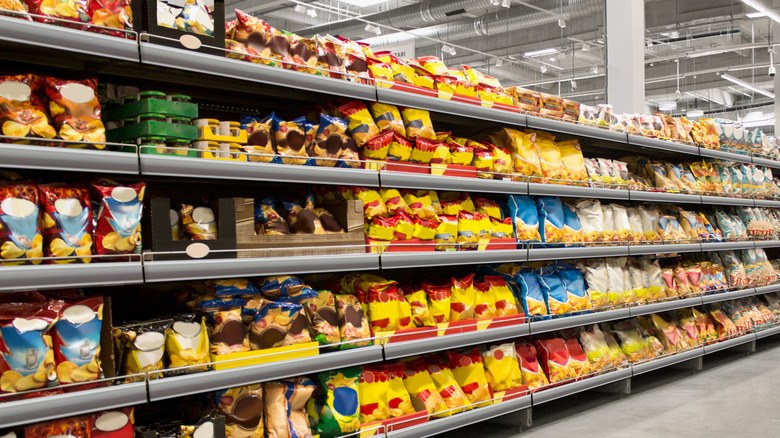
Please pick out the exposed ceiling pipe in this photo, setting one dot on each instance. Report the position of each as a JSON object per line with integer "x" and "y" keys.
{"x": 512, "y": 20}
{"x": 421, "y": 14}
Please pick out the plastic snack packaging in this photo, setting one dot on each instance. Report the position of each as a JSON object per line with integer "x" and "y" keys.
{"x": 22, "y": 111}
{"x": 372, "y": 202}
{"x": 531, "y": 294}
{"x": 75, "y": 110}
{"x": 446, "y": 232}
{"x": 549, "y": 156}
{"x": 610, "y": 231}
{"x": 591, "y": 219}
{"x": 425, "y": 229}
{"x": 373, "y": 388}
{"x": 291, "y": 140}
{"x": 439, "y": 301}
{"x": 525, "y": 152}
{"x": 79, "y": 324}
{"x": 429, "y": 151}
{"x": 554, "y": 292}
{"x": 596, "y": 276}
{"x": 187, "y": 343}
{"x": 262, "y": 38}
{"x": 422, "y": 389}
{"x": 21, "y": 236}
{"x": 141, "y": 347}
{"x": 328, "y": 141}
{"x": 28, "y": 357}
{"x": 505, "y": 300}
{"x": 199, "y": 223}
{"x": 483, "y": 161}
{"x": 447, "y": 385}
{"x": 488, "y": 207}
{"x": 404, "y": 226}
{"x": 526, "y": 218}
{"x": 279, "y": 324}
{"x": 502, "y": 160}
{"x": 572, "y": 228}
{"x": 77, "y": 426}
{"x": 418, "y": 123}
{"x": 400, "y": 149}
{"x": 384, "y": 307}
{"x": 118, "y": 228}
{"x": 353, "y": 324}
{"x": 579, "y": 361}
{"x": 270, "y": 222}
{"x": 501, "y": 367}
{"x": 572, "y": 161}
{"x": 485, "y": 302}
{"x": 285, "y": 405}
{"x": 574, "y": 283}
{"x": 361, "y": 124}
{"x": 596, "y": 348}
{"x": 551, "y": 223}
{"x": 650, "y": 218}
{"x": 462, "y": 299}
{"x": 469, "y": 372}
{"x": 259, "y": 138}
{"x": 388, "y": 117}
{"x": 323, "y": 318}
{"x": 398, "y": 399}
{"x": 468, "y": 229}
{"x": 229, "y": 334}
{"x": 461, "y": 154}
{"x": 533, "y": 375}
{"x": 417, "y": 299}
{"x": 394, "y": 201}
{"x": 243, "y": 409}
{"x": 420, "y": 203}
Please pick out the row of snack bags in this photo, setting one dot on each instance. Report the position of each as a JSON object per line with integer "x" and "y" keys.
{"x": 299, "y": 217}
{"x": 45, "y": 107}
{"x": 716, "y": 177}
{"x": 49, "y": 340}
{"x": 116, "y": 14}
{"x": 109, "y": 424}
{"x": 56, "y": 220}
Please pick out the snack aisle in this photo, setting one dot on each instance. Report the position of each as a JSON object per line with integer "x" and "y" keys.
{"x": 520, "y": 254}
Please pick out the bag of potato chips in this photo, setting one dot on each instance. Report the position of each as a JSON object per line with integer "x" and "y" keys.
{"x": 373, "y": 388}
{"x": 79, "y": 325}
{"x": 398, "y": 399}
{"x": 67, "y": 222}
{"x": 187, "y": 344}
{"x": 501, "y": 367}
{"x": 483, "y": 160}
{"x": 447, "y": 385}
{"x": 372, "y": 201}
{"x": 421, "y": 204}
{"x": 446, "y": 233}
{"x": 22, "y": 112}
{"x": 118, "y": 228}
{"x": 75, "y": 110}
{"x": 394, "y": 201}
{"x": 438, "y": 301}
{"x": 525, "y": 152}
{"x": 533, "y": 375}
{"x": 484, "y": 301}
{"x": 383, "y": 307}
{"x": 526, "y": 218}
{"x": 506, "y": 302}
{"x": 404, "y": 226}
{"x": 418, "y": 301}
{"x": 418, "y": 123}
{"x": 418, "y": 382}
{"x": 361, "y": 125}
{"x": 469, "y": 371}
{"x": 340, "y": 412}
{"x": 21, "y": 236}
{"x": 462, "y": 299}
{"x": 243, "y": 409}
{"x": 388, "y": 117}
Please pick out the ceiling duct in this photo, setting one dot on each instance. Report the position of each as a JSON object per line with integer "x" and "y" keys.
{"x": 512, "y": 20}
{"x": 423, "y": 14}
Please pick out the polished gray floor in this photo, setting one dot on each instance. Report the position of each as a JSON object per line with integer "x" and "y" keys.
{"x": 733, "y": 396}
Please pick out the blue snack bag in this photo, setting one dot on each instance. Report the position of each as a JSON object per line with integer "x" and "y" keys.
{"x": 574, "y": 282}
{"x": 551, "y": 221}
{"x": 572, "y": 228}
{"x": 531, "y": 295}
{"x": 555, "y": 293}
{"x": 525, "y": 217}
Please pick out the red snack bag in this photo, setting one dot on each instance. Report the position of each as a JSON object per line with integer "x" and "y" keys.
{"x": 555, "y": 359}
{"x": 71, "y": 10}
{"x": 533, "y": 376}
{"x": 22, "y": 112}
{"x": 67, "y": 222}
{"x": 75, "y": 110}
{"x": 80, "y": 426}
{"x": 21, "y": 236}
{"x": 462, "y": 299}
{"x": 119, "y": 218}
{"x": 115, "y": 14}
{"x": 114, "y": 424}
{"x": 579, "y": 361}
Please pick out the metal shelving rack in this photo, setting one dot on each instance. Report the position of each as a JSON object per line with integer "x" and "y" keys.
{"x": 142, "y": 53}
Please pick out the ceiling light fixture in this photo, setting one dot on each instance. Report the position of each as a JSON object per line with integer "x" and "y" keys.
{"x": 667, "y": 106}
{"x": 595, "y": 69}
{"x": 755, "y": 15}
{"x": 449, "y": 49}
{"x": 299, "y": 8}
{"x": 543, "y": 69}
{"x": 585, "y": 47}
{"x": 495, "y": 2}
{"x": 541, "y": 52}
{"x": 371, "y": 28}
{"x": 311, "y": 12}
{"x": 552, "y": 59}
{"x": 499, "y": 62}
{"x": 702, "y": 96}
{"x": 761, "y": 8}
{"x": 694, "y": 113}
{"x": 561, "y": 23}
{"x": 748, "y": 86}
{"x": 506, "y": 3}
{"x": 363, "y": 3}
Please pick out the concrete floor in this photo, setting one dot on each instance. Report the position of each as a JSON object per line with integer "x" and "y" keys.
{"x": 733, "y": 396}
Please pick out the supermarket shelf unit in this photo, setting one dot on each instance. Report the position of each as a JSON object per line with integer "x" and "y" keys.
{"x": 142, "y": 52}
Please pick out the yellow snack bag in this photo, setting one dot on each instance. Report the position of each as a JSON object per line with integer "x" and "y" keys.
{"x": 418, "y": 382}
{"x": 462, "y": 299}
{"x": 448, "y": 387}
{"x": 433, "y": 65}
{"x": 424, "y": 150}
{"x": 502, "y": 160}
{"x": 469, "y": 228}
{"x": 526, "y": 152}
{"x": 447, "y": 232}
{"x": 425, "y": 229}
{"x": 398, "y": 400}
{"x": 372, "y": 201}
{"x": 400, "y": 148}
{"x": 484, "y": 301}
{"x": 404, "y": 226}
{"x": 418, "y": 301}
{"x": 504, "y": 299}
{"x": 572, "y": 161}
{"x": 438, "y": 301}
{"x": 461, "y": 154}
{"x": 373, "y": 388}
{"x": 361, "y": 125}
{"x": 384, "y": 308}
{"x": 405, "y": 313}
{"x": 549, "y": 156}
{"x": 418, "y": 123}
{"x": 488, "y": 208}
{"x": 394, "y": 201}
{"x": 483, "y": 161}
{"x": 388, "y": 117}
{"x": 501, "y": 367}
{"x": 469, "y": 372}
{"x": 421, "y": 205}
{"x": 181, "y": 346}
{"x": 378, "y": 147}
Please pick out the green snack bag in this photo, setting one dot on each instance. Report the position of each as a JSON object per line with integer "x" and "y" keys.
{"x": 340, "y": 411}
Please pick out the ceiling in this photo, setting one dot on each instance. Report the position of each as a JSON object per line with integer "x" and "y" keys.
{"x": 701, "y": 38}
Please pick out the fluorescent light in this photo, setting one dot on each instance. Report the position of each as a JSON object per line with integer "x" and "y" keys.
{"x": 371, "y": 28}
{"x": 499, "y": 62}
{"x": 561, "y": 23}
{"x": 552, "y": 59}
{"x": 301, "y": 9}
{"x": 311, "y": 12}
{"x": 768, "y": 122}
{"x": 755, "y": 15}
{"x": 541, "y": 52}
{"x": 667, "y": 106}
{"x": 695, "y": 113}
{"x": 705, "y": 97}
{"x": 363, "y": 3}
{"x": 755, "y": 115}
{"x": 585, "y": 47}
{"x": 748, "y": 86}
{"x": 543, "y": 69}
{"x": 506, "y": 3}
{"x": 761, "y": 8}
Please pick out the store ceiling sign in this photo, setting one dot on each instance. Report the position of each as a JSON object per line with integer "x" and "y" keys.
{"x": 403, "y": 50}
